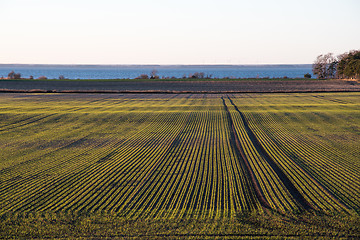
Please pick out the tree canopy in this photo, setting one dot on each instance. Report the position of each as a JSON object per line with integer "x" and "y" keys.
{"x": 349, "y": 65}
{"x": 346, "y": 65}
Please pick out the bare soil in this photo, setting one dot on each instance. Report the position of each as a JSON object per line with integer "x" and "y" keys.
{"x": 239, "y": 86}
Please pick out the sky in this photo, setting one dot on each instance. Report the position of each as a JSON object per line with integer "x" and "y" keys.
{"x": 176, "y": 31}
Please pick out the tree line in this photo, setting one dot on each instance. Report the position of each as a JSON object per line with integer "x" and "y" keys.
{"x": 345, "y": 66}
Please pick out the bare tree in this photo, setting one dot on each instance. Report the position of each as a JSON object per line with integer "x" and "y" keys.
{"x": 325, "y": 66}
{"x": 11, "y": 75}
{"x": 153, "y": 74}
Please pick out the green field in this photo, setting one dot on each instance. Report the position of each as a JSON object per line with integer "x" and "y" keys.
{"x": 187, "y": 165}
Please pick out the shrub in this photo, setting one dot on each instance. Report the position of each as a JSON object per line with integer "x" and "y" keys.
{"x": 42, "y": 78}
{"x": 17, "y": 75}
{"x": 308, "y": 75}
{"x": 198, "y": 75}
{"x": 143, "y": 76}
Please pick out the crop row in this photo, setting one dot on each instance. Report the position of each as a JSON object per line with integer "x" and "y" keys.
{"x": 294, "y": 137}
{"x": 176, "y": 157}
{"x": 77, "y": 160}
{"x": 170, "y": 161}
{"x": 326, "y": 164}
{"x": 270, "y": 185}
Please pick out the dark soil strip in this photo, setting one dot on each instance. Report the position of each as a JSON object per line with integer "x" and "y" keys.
{"x": 280, "y": 173}
{"x": 171, "y": 91}
{"x": 235, "y": 143}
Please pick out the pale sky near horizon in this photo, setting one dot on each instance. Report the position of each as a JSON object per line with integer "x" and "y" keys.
{"x": 176, "y": 32}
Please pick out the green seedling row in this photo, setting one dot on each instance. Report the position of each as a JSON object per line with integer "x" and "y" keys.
{"x": 179, "y": 156}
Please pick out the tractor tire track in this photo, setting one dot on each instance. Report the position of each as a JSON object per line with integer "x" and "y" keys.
{"x": 235, "y": 143}
{"x": 279, "y": 172}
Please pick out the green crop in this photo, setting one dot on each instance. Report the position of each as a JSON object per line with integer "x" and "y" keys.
{"x": 189, "y": 164}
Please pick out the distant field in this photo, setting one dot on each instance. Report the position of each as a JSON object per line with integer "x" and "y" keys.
{"x": 180, "y": 165}
{"x": 181, "y": 85}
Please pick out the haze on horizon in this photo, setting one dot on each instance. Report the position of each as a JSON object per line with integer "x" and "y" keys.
{"x": 176, "y": 32}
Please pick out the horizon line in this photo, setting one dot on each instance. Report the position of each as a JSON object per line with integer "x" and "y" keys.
{"x": 132, "y": 64}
